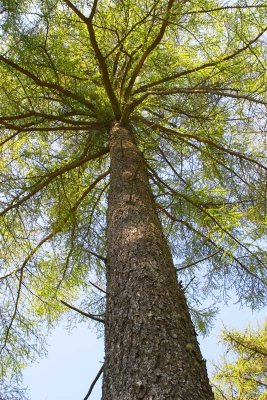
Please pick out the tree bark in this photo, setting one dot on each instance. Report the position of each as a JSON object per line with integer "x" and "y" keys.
{"x": 151, "y": 351}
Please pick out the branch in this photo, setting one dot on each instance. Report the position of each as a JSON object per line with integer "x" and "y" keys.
{"x": 44, "y": 116}
{"x": 48, "y": 85}
{"x": 76, "y": 10}
{"x": 88, "y": 190}
{"x": 223, "y": 9}
{"x": 85, "y": 314}
{"x": 132, "y": 29}
{"x": 40, "y": 185}
{"x": 203, "y": 151}
{"x": 9, "y": 138}
{"x": 37, "y": 247}
{"x": 188, "y": 225}
{"x": 97, "y": 287}
{"x": 10, "y": 274}
{"x": 200, "y": 67}
{"x": 101, "y": 60}
{"x": 220, "y": 248}
{"x": 199, "y": 207}
{"x": 245, "y": 346}
{"x": 189, "y": 283}
{"x": 21, "y": 271}
{"x": 94, "y": 382}
{"x": 198, "y": 261}
{"x": 150, "y": 48}
{"x": 45, "y": 129}
{"x": 207, "y": 90}
{"x": 209, "y": 142}
{"x": 93, "y": 11}
{"x": 98, "y": 256}
{"x": 4, "y": 119}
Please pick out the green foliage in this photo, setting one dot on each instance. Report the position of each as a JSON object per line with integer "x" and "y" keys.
{"x": 190, "y": 79}
{"x": 245, "y": 376}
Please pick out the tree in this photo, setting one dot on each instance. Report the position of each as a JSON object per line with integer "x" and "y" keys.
{"x": 244, "y": 377}
{"x": 161, "y": 105}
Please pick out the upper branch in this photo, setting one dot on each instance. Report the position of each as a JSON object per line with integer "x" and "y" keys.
{"x": 202, "y": 140}
{"x": 224, "y": 8}
{"x": 100, "y": 58}
{"x": 85, "y": 314}
{"x": 58, "y": 88}
{"x": 150, "y": 48}
{"x": 200, "y": 67}
{"x": 103, "y": 66}
{"x": 76, "y": 10}
{"x": 201, "y": 90}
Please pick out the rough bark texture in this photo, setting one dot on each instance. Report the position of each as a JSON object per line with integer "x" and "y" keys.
{"x": 150, "y": 343}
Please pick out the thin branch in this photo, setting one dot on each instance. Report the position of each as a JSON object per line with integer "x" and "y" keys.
{"x": 204, "y": 211}
{"x": 9, "y": 138}
{"x": 93, "y": 11}
{"x": 48, "y": 85}
{"x": 46, "y": 129}
{"x": 15, "y": 309}
{"x": 97, "y": 287}
{"x": 85, "y": 314}
{"x": 89, "y": 189}
{"x": 199, "y": 233}
{"x": 39, "y": 245}
{"x": 209, "y": 10}
{"x": 198, "y": 261}
{"x": 14, "y": 272}
{"x": 132, "y": 29}
{"x": 203, "y": 151}
{"x": 200, "y": 67}
{"x": 100, "y": 58}
{"x": 245, "y": 346}
{"x": 4, "y": 120}
{"x": 94, "y": 382}
{"x": 98, "y": 256}
{"x": 189, "y": 283}
{"x": 21, "y": 271}
{"x": 40, "y": 185}
{"x": 207, "y": 90}
{"x": 208, "y": 142}
{"x": 60, "y": 117}
{"x": 76, "y": 10}
{"x": 150, "y": 48}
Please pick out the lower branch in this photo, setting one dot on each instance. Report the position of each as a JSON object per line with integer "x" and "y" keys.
{"x": 85, "y": 314}
{"x": 94, "y": 382}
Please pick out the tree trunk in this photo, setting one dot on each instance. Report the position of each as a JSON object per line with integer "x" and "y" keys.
{"x": 150, "y": 342}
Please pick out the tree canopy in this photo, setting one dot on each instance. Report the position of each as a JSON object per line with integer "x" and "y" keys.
{"x": 190, "y": 79}
{"x": 243, "y": 377}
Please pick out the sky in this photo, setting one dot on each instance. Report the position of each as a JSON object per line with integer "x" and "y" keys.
{"x": 74, "y": 358}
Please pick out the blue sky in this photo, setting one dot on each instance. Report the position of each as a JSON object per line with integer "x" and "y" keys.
{"x": 74, "y": 359}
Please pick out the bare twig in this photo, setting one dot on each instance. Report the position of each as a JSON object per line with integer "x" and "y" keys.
{"x": 94, "y": 382}
{"x": 97, "y": 287}
{"x": 97, "y": 256}
{"x": 189, "y": 283}
{"x": 198, "y": 261}
{"x": 85, "y": 314}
